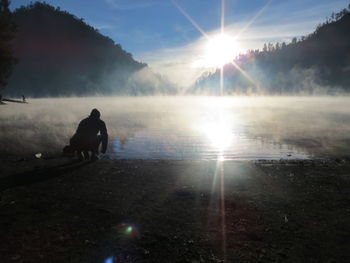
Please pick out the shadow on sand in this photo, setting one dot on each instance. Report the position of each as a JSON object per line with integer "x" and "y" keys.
{"x": 35, "y": 176}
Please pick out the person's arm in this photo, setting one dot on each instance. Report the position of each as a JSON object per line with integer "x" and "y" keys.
{"x": 104, "y": 137}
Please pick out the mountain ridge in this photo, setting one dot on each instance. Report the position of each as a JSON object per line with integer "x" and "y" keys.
{"x": 61, "y": 55}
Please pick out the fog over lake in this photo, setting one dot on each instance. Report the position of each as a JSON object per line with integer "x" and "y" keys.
{"x": 185, "y": 127}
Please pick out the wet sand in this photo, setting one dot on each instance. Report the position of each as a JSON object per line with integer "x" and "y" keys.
{"x": 174, "y": 211}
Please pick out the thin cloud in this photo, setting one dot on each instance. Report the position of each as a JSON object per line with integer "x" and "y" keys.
{"x": 177, "y": 63}
{"x": 284, "y": 13}
{"x": 275, "y": 32}
{"x": 316, "y": 11}
{"x": 129, "y": 5}
{"x": 101, "y": 27}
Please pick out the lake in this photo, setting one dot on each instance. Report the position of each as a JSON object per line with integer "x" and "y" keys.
{"x": 186, "y": 127}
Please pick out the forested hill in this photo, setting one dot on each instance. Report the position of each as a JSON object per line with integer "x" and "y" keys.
{"x": 60, "y": 55}
{"x": 317, "y": 63}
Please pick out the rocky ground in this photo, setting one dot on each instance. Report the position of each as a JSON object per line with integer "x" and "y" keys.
{"x": 60, "y": 210}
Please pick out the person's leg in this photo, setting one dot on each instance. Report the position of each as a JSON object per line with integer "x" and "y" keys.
{"x": 86, "y": 154}
{"x": 80, "y": 155}
{"x": 95, "y": 146}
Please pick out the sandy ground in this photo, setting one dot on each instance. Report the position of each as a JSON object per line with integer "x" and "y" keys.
{"x": 109, "y": 211}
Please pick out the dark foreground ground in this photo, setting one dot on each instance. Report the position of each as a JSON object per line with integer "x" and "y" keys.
{"x": 174, "y": 211}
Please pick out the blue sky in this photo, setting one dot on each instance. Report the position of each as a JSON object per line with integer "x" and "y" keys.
{"x": 156, "y": 32}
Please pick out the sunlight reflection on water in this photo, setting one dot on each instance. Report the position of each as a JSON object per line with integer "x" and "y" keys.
{"x": 217, "y": 133}
{"x": 148, "y": 145}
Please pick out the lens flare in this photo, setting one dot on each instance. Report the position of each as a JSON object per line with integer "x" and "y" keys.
{"x": 129, "y": 229}
{"x": 109, "y": 260}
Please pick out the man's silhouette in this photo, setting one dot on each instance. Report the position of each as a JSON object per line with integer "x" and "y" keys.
{"x": 87, "y": 139}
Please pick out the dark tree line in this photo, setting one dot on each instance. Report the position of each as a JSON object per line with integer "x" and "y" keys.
{"x": 7, "y": 34}
{"x": 319, "y": 62}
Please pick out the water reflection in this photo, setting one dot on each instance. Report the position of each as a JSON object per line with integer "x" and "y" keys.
{"x": 216, "y": 132}
{"x": 219, "y": 131}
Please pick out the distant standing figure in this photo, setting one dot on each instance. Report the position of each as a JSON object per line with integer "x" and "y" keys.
{"x": 23, "y": 99}
{"x": 87, "y": 138}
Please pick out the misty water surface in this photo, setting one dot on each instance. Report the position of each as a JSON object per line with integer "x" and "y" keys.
{"x": 185, "y": 127}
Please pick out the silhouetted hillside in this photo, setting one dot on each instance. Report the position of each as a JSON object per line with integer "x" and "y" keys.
{"x": 7, "y": 34}
{"x": 318, "y": 63}
{"x": 61, "y": 55}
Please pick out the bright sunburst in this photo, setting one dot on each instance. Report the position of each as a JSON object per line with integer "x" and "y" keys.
{"x": 220, "y": 50}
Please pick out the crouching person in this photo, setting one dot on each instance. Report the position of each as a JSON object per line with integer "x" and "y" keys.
{"x": 90, "y": 134}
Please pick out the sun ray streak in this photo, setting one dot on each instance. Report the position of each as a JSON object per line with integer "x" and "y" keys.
{"x": 221, "y": 80}
{"x": 251, "y": 21}
{"x": 223, "y": 208}
{"x": 190, "y": 19}
{"x": 222, "y": 33}
{"x": 213, "y": 187}
{"x": 245, "y": 74}
{"x": 222, "y": 16}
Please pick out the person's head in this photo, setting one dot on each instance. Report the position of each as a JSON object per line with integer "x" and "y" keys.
{"x": 95, "y": 114}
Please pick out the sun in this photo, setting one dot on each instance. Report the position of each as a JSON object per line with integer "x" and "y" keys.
{"x": 220, "y": 49}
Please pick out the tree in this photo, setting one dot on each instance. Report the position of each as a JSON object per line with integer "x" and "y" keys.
{"x": 7, "y": 33}
{"x": 265, "y": 48}
{"x": 277, "y": 46}
{"x": 332, "y": 17}
{"x": 270, "y": 47}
